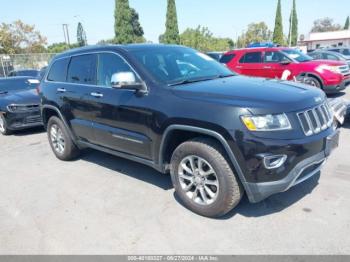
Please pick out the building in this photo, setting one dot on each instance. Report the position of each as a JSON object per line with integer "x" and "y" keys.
{"x": 327, "y": 39}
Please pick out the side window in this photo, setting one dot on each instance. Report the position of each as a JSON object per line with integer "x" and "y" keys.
{"x": 227, "y": 58}
{"x": 58, "y": 71}
{"x": 330, "y": 57}
{"x": 274, "y": 57}
{"x": 109, "y": 64}
{"x": 253, "y": 57}
{"x": 82, "y": 70}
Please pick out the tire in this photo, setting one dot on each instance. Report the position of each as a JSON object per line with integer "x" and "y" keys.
{"x": 312, "y": 81}
{"x": 206, "y": 154}
{"x": 60, "y": 141}
{"x": 3, "y": 126}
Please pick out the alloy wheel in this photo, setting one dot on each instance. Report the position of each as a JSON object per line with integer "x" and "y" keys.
{"x": 198, "y": 180}
{"x": 57, "y": 139}
{"x": 2, "y": 125}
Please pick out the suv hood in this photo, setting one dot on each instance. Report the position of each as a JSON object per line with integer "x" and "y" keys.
{"x": 254, "y": 93}
{"x": 20, "y": 97}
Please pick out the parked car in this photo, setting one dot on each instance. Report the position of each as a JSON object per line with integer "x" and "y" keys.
{"x": 220, "y": 135}
{"x": 215, "y": 55}
{"x": 329, "y": 55}
{"x": 342, "y": 50}
{"x": 25, "y": 72}
{"x": 331, "y": 76}
{"x": 19, "y": 104}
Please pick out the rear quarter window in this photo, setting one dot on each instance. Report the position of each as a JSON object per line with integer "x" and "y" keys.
{"x": 58, "y": 71}
{"x": 225, "y": 59}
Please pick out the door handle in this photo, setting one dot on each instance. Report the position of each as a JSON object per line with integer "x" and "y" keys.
{"x": 61, "y": 90}
{"x": 239, "y": 67}
{"x": 267, "y": 67}
{"x": 97, "y": 95}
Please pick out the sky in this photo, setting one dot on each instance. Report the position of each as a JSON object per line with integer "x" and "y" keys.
{"x": 225, "y": 18}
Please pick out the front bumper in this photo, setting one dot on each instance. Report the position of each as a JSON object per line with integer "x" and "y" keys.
{"x": 330, "y": 89}
{"x": 300, "y": 173}
{"x": 23, "y": 120}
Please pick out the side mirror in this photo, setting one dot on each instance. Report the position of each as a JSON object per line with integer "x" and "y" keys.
{"x": 285, "y": 62}
{"x": 127, "y": 80}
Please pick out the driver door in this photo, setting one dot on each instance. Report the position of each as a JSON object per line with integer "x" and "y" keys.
{"x": 275, "y": 63}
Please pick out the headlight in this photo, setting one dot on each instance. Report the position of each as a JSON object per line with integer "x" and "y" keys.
{"x": 334, "y": 69}
{"x": 267, "y": 122}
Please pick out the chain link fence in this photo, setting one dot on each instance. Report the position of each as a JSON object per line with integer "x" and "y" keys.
{"x": 10, "y": 63}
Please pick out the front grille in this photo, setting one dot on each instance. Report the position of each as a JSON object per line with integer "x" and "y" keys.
{"x": 316, "y": 120}
{"x": 23, "y": 108}
{"x": 345, "y": 70}
{"x": 33, "y": 119}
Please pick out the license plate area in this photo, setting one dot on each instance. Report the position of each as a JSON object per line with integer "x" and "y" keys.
{"x": 332, "y": 142}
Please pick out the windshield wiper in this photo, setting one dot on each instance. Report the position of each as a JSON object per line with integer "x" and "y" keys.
{"x": 202, "y": 79}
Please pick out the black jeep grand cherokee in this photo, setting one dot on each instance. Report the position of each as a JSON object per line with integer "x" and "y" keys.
{"x": 178, "y": 110}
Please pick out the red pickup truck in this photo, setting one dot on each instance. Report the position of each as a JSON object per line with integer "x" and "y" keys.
{"x": 273, "y": 62}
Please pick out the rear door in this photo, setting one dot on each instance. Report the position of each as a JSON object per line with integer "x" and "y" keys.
{"x": 250, "y": 64}
{"x": 81, "y": 81}
{"x": 275, "y": 63}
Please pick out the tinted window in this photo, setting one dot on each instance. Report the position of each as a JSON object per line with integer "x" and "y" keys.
{"x": 227, "y": 58}
{"x": 274, "y": 57}
{"x": 254, "y": 57}
{"x": 109, "y": 64}
{"x": 316, "y": 55}
{"x": 58, "y": 71}
{"x": 82, "y": 70}
{"x": 346, "y": 52}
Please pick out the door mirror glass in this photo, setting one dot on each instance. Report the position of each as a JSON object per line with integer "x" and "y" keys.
{"x": 285, "y": 62}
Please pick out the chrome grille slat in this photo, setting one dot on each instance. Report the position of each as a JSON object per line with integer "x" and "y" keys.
{"x": 314, "y": 121}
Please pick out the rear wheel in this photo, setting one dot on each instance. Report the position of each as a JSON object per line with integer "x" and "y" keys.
{"x": 203, "y": 178}
{"x": 60, "y": 141}
{"x": 3, "y": 126}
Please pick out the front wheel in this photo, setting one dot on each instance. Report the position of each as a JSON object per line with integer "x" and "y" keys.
{"x": 203, "y": 178}
{"x": 3, "y": 126}
{"x": 61, "y": 143}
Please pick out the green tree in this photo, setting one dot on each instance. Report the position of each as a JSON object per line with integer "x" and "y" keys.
{"x": 202, "y": 39}
{"x": 257, "y": 32}
{"x": 137, "y": 28}
{"x": 278, "y": 36}
{"x": 171, "y": 35}
{"x": 347, "y": 23}
{"x": 293, "y": 26}
{"x": 19, "y": 37}
{"x": 81, "y": 35}
{"x": 124, "y": 32}
{"x": 60, "y": 47}
{"x": 325, "y": 25}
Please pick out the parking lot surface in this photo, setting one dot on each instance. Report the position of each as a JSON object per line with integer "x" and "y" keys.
{"x": 101, "y": 204}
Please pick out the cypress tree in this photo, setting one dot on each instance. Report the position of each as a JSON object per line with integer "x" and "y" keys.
{"x": 81, "y": 35}
{"x": 278, "y": 37}
{"x": 137, "y": 28}
{"x": 171, "y": 35}
{"x": 124, "y": 32}
{"x": 293, "y": 26}
{"x": 347, "y": 24}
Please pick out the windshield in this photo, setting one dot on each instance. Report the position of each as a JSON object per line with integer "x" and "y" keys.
{"x": 13, "y": 84}
{"x": 297, "y": 55}
{"x": 176, "y": 65}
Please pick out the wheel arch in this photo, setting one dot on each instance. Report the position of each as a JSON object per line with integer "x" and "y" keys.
{"x": 47, "y": 111}
{"x": 197, "y": 131}
{"x": 314, "y": 75}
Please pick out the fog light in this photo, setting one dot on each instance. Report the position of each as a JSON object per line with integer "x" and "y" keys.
{"x": 273, "y": 161}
